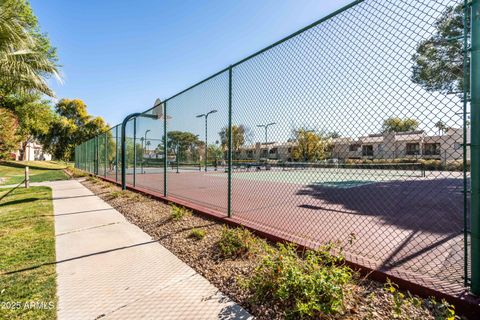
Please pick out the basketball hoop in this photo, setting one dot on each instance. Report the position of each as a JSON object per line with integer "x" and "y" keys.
{"x": 157, "y": 110}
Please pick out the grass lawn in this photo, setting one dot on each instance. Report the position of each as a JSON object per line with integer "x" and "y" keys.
{"x": 14, "y": 171}
{"x": 27, "y": 240}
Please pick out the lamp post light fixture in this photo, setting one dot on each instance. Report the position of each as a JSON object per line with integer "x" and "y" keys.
{"x": 266, "y": 134}
{"x": 205, "y": 115}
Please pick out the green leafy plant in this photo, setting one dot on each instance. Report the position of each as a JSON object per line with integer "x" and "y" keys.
{"x": 441, "y": 310}
{"x": 235, "y": 242}
{"x": 310, "y": 287}
{"x": 178, "y": 213}
{"x": 93, "y": 179}
{"x": 402, "y": 301}
{"x": 197, "y": 234}
{"x": 115, "y": 194}
{"x": 397, "y": 296}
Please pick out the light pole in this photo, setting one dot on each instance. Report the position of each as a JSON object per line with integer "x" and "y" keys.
{"x": 266, "y": 133}
{"x": 144, "y": 146}
{"x": 206, "y": 132}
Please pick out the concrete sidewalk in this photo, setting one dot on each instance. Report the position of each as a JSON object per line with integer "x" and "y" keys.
{"x": 109, "y": 268}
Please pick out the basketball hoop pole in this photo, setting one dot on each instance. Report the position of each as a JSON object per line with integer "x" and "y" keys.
{"x": 123, "y": 137}
{"x": 123, "y": 143}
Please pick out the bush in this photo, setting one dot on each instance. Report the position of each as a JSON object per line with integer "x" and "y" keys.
{"x": 197, "y": 234}
{"x": 178, "y": 213}
{"x": 428, "y": 164}
{"x": 76, "y": 173}
{"x": 118, "y": 193}
{"x": 402, "y": 303}
{"x": 235, "y": 242}
{"x": 309, "y": 287}
{"x": 93, "y": 179}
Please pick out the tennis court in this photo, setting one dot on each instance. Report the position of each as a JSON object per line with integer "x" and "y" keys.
{"x": 400, "y": 219}
{"x": 330, "y": 176}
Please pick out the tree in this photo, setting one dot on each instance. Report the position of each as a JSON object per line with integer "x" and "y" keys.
{"x": 71, "y": 126}
{"x": 26, "y": 57}
{"x": 182, "y": 144}
{"x": 395, "y": 124}
{"x": 34, "y": 117}
{"x": 8, "y": 129}
{"x": 240, "y": 135}
{"x": 310, "y": 146}
{"x": 215, "y": 153}
{"x": 442, "y": 127}
{"x": 438, "y": 61}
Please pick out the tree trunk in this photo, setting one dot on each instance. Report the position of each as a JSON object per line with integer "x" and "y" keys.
{"x": 24, "y": 148}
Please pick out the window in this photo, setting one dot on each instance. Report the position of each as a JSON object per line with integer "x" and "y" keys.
{"x": 289, "y": 150}
{"x": 380, "y": 147}
{"x": 413, "y": 149}
{"x": 264, "y": 152}
{"x": 353, "y": 147}
{"x": 367, "y": 150}
{"x": 273, "y": 151}
{"x": 457, "y": 146}
{"x": 431, "y": 149}
{"x": 250, "y": 154}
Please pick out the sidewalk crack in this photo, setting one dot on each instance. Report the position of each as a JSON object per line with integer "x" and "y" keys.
{"x": 88, "y": 228}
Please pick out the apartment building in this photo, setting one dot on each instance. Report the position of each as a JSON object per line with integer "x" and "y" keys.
{"x": 413, "y": 144}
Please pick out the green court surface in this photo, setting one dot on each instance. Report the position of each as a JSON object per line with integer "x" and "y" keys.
{"x": 327, "y": 177}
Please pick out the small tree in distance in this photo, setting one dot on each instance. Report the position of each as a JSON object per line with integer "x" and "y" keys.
{"x": 310, "y": 146}
{"x": 396, "y": 124}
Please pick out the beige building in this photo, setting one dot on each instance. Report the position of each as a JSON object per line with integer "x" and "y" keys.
{"x": 33, "y": 152}
{"x": 413, "y": 144}
{"x": 280, "y": 151}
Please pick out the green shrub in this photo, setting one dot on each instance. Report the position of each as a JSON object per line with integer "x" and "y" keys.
{"x": 116, "y": 194}
{"x": 178, "y": 213}
{"x": 402, "y": 302}
{"x": 197, "y": 234}
{"x": 442, "y": 309}
{"x": 235, "y": 242}
{"x": 311, "y": 287}
{"x": 428, "y": 164}
{"x": 76, "y": 173}
{"x": 93, "y": 179}
{"x": 431, "y": 164}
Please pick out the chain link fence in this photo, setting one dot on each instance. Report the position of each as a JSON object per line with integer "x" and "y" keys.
{"x": 355, "y": 129}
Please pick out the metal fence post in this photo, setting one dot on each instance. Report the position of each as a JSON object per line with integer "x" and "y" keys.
{"x": 134, "y": 150}
{"x": 475, "y": 146}
{"x": 466, "y": 13}
{"x": 116, "y": 153}
{"x": 105, "y": 151}
{"x": 229, "y": 205}
{"x": 165, "y": 152}
{"x": 97, "y": 158}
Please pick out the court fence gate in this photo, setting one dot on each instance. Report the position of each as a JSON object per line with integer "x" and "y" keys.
{"x": 362, "y": 128}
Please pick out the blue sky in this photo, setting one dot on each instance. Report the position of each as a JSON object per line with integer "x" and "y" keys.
{"x": 118, "y": 56}
{"x": 346, "y": 75}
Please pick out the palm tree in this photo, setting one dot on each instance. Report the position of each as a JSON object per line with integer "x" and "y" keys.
{"x": 23, "y": 68}
{"x": 440, "y": 126}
